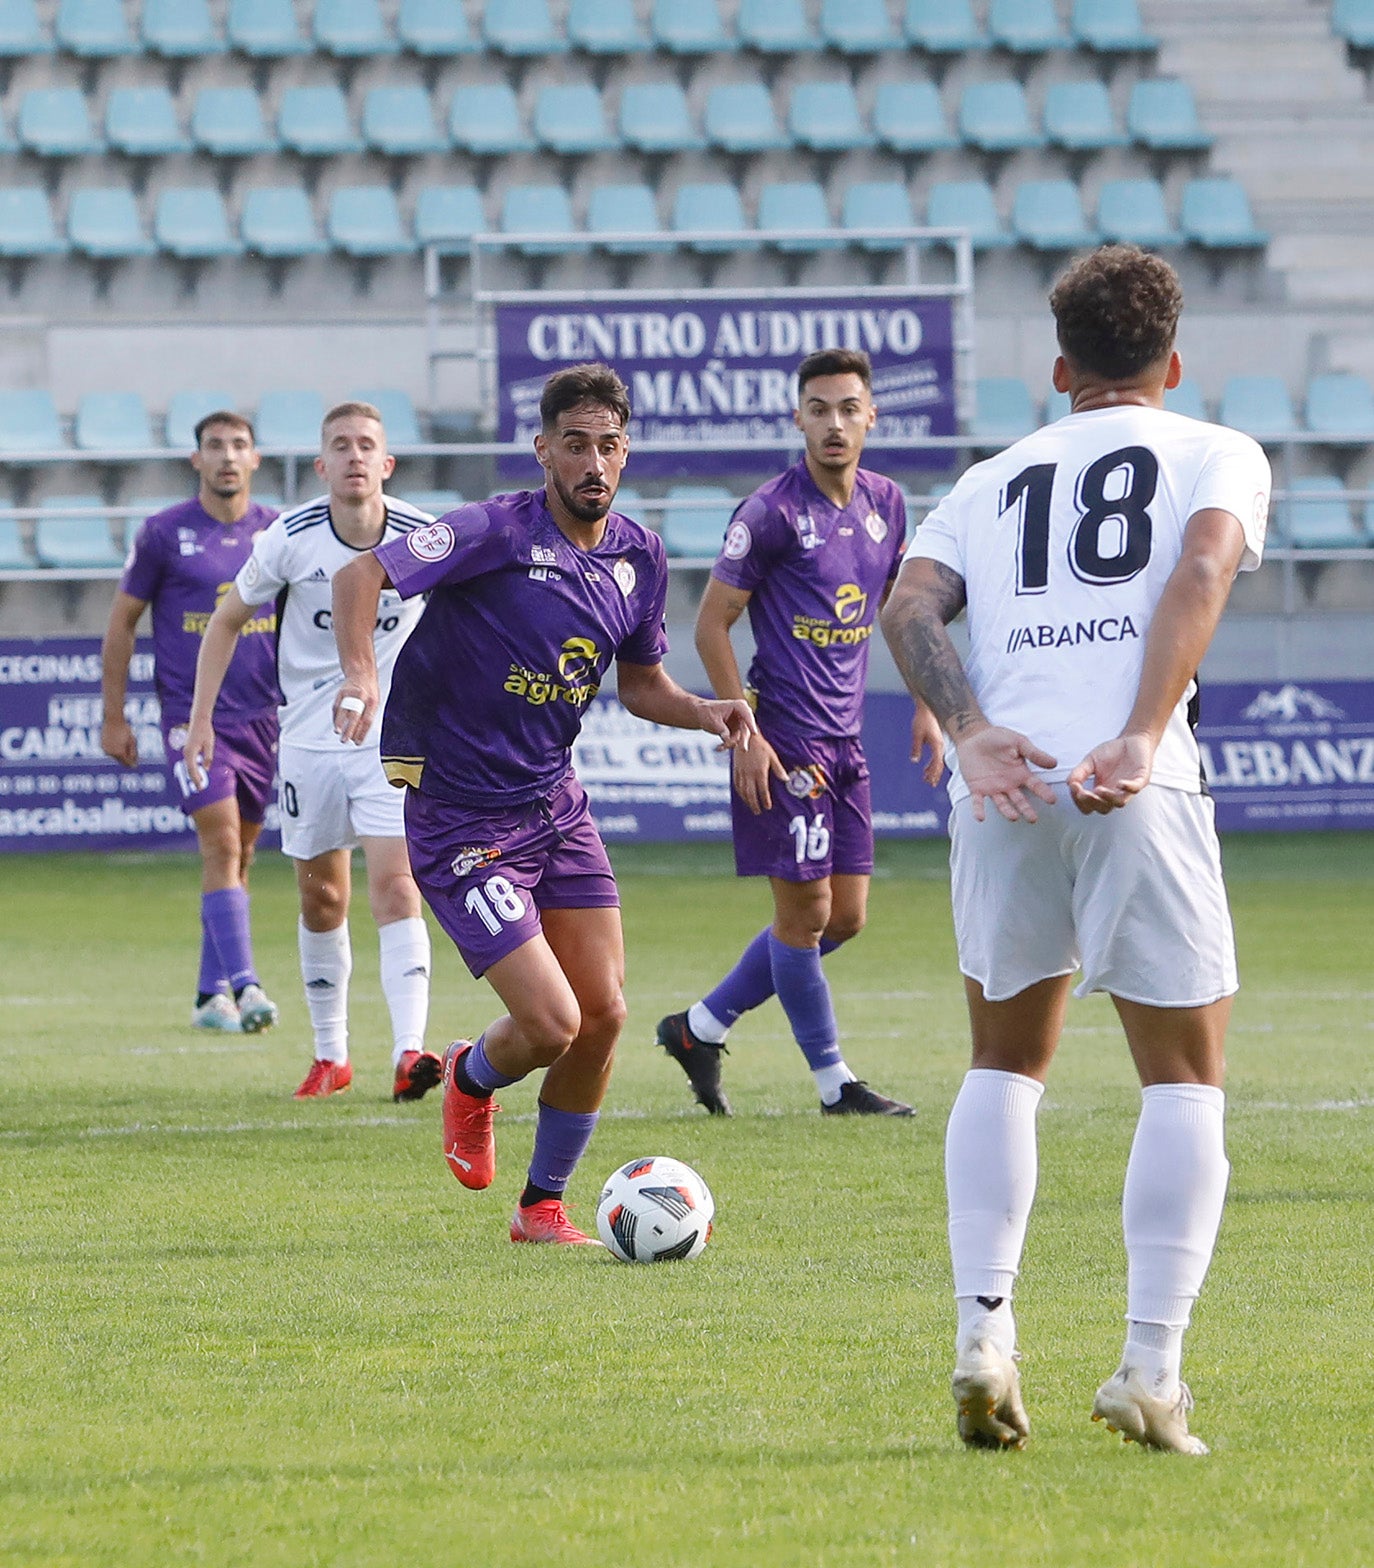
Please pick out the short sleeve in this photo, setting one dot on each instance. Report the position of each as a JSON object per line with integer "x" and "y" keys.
{"x": 144, "y": 568}
{"x": 1236, "y": 478}
{"x": 264, "y": 574}
{"x": 462, "y": 545}
{"x": 648, "y": 642}
{"x": 940, "y": 537}
{"x": 753, "y": 541}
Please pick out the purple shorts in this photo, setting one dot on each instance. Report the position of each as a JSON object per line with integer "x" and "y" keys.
{"x": 487, "y": 874}
{"x": 821, "y": 819}
{"x": 245, "y": 766}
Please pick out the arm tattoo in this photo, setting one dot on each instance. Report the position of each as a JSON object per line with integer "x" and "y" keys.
{"x": 924, "y": 654}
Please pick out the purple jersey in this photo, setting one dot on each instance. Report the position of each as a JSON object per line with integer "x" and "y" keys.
{"x": 817, "y": 576}
{"x": 520, "y": 628}
{"x": 182, "y": 563}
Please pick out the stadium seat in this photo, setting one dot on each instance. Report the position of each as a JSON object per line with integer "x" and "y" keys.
{"x": 14, "y": 556}
{"x": 1133, "y": 212}
{"x": 1026, "y": 26}
{"x": 909, "y": 117}
{"x": 1162, "y": 115}
{"x": 185, "y": 410}
{"x": 265, "y": 29}
{"x": 968, "y": 204}
{"x": 278, "y": 222}
{"x": 448, "y": 214}
{"x": 521, "y": 27}
{"x": 227, "y": 122}
{"x": 775, "y": 27}
{"x": 112, "y": 422}
{"x": 1006, "y": 411}
{"x": 190, "y": 223}
{"x": 706, "y": 206}
{"x": 570, "y": 120}
{"x": 142, "y": 122}
{"x": 398, "y": 415}
{"x": 1317, "y": 515}
{"x": 605, "y": 27}
{"x": 858, "y": 27}
{"x": 26, "y": 225}
{"x": 314, "y": 122}
{"x": 1186, "y": 399}
{"x": 1111, "y": 27}
{"x": 795, "y": 204}
{"x": 21, "y": 33}
{"x": 942, "y": 26}
{"x": 290, "y": 419}
{"x": 1078, "y": 116}
{"x": 29, "y": 423}
{"x": 1215, "y": 212}
{"x": 179, "y": 29}
{"x": 1258, "y": 405}
{"x": 1057, "y": 404}
{"x": 1047, "y": 215}
{"x": 626, "y": 210}
{"x": 485, "y": 119}
{"x": 696, "y": 531}
{"x": 994, "y": 118}
{"x": 690, "y": 27}
{"x": 104, "y": 224}
{"x": 54, "y": 122}
{"x": 352, "y": 29}
{"x": 399, "y": 121}
{"x": 365, "y": 221}
{"x": 80, "y": 542}
{"x": 434, "y": 29}
{"x": 531, "y": 210}
{"x": 1340, "y": 406}
{"x": 824, "y": 117}
{"x": 654, "y": 118}
{"x": 878, "y": 204}
{"x": 1353, "y": 20}
{"x": 739, "y": 118}
{"x": 93, "y": 29}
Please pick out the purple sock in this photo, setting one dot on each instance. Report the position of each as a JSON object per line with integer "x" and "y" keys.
{"x": 224, "y": 915}
{"x": 560, "y": 1140}
{"x": 750, "y": 983}
{"x": 475, "y": 1073}
{"x": 805, "y": 996}
{"x": 211, "y": 974}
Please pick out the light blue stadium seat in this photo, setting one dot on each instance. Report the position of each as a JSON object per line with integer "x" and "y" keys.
{"x": 265, "y": 29}
{"x": 705, "y": 205}
{"x": 629, "y": 210}
{"x": 55, "y": 123}
{"x": 775, "y": 27}
{"x": 1340, "y": 406}
{"x": 569, "y": 119}
{"x": 448, "y": 214}
{"x": 1215, "y": 212}
{"x": 654, "y": 118}
{"x": 521, "y": 27}
{"x": 1317, "y": 516}
{"x": 1078, "y": 116}
{"x": 142, "y": 122}
{"x": 190, "y": 223}
{"x": 1133, "y": 212}
{"x": 533, "y": 210}
{"x": 739, "y": 118}
{"x": 1006, "y": 411}
{"x": 994, "y": 118}
{"x": 1258, "y": 405}
{"x": 21, "y": 33}
{"x": 696, "y": 531}
{"x": 877, "y": 204}
{"x": 824, "y": 116}
{"x": 1047, "y": 215}
{"x": 26, "y": 224}
{"x": 104, "y": 223}
{"x": 365, "y": 221}
{"x": 1111, "y": 27}
{"x": 942, "y": 26}
{"x": 858, "y": 27}
{"x": 909, "y": 117}
{"x": 185, "y": 410}
{"x": 179, "y": 29}
{"x": 1026, "y": 26}
{"x": 605, "y": 27}
{"x": 690, "y": 27}
{"x": 1057, "y": 404}
{"x": 14, "y": 554}
{"x": 434, "y": 29}
{"x": 485, "y": 119}
{"x": 290, "y": 419}
{"x": 93, "y": 29}
{"x": 796, "y": 204}
{"x": 1186, "y": 399}
{"x": 29, "y": 423}
{"x": 400, "y": 121}
{"x": 81, "y": 542}
{"x": 112, "y": 422}
{"x": 1162, "y": 115}
{"x": 968, "y": 204}
{"x": 352, "y": 29}
{"x": 398, "y": 415}
{"x": 228, "y": 122}
{"x": 1353, "y": 20}
{"x": 314, "y": 121}
{"x": 278, "y": 222}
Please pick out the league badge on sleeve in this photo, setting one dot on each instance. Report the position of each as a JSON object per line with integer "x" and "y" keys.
{"x": 431, "y": 543}
{"x": 738, "y": 541}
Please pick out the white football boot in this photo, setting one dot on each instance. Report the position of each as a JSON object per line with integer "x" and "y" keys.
{"x": 256, "y": 1012}
{"x": 217, "y": 1014}
{"x": 987, "y": 1391}
{"x": 1126, "y": 1404}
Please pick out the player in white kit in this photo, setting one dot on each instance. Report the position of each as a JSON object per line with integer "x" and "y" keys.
{"x": 332, "y": 797}
{"x": 1094, "y": 559}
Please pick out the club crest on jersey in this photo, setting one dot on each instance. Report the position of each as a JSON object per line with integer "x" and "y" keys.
{"x": 738, "y": 541}
{"x": 432, "y": 543}
{"x": 875, "y": 527}
{"x": 806, "y": 783}
{"x": 472, "y": 858}
{"x": 624, "y": 575}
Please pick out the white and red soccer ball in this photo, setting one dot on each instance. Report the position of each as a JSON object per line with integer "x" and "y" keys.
{"x": 655, "y": 1210}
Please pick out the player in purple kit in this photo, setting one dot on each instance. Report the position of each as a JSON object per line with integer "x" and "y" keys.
{"x": 182, "y": 561}
{"x": 811, "y": 556}
{"x": 532, "y": 595}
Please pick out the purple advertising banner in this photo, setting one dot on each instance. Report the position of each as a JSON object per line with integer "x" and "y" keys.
{"x": 722, "y": 369}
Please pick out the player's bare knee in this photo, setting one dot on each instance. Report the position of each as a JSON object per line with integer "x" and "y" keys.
{"x": 845, "y": 926}
{"x": 324, "y": 904}
{"x": 394, "y": 898}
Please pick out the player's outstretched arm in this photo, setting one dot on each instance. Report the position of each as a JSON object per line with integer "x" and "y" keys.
{"x": 649, "y": 692}
{"x": 117, "y": 738}
{"x": 357, "y": 589}
{"x": 212, "y": 662}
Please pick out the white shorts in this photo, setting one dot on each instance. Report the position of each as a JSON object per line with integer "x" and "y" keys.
{"x": 331, "y": 799}
{"x": 1135, "y": 898}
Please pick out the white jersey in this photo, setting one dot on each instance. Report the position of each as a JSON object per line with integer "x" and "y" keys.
{"x": 1065, "y": 542}
{"x": 294, "y": 561}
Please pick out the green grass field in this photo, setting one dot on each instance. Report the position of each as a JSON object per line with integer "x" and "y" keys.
{"x": 238, "y": 1329}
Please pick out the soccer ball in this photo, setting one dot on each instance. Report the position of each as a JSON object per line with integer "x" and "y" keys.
{"x": 653, "y": 1210}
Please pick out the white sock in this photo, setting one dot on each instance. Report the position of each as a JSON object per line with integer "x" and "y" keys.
{"x": 830, "y": 1080}
{"x": 978, "y": 1320}
{"x": 1171, "y": 1211}
{"x": 405, "y": 982}
{"x": 990, "y": 1175}
{"x": 705, "y": 1025}
{"x": 326, "y": 964}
